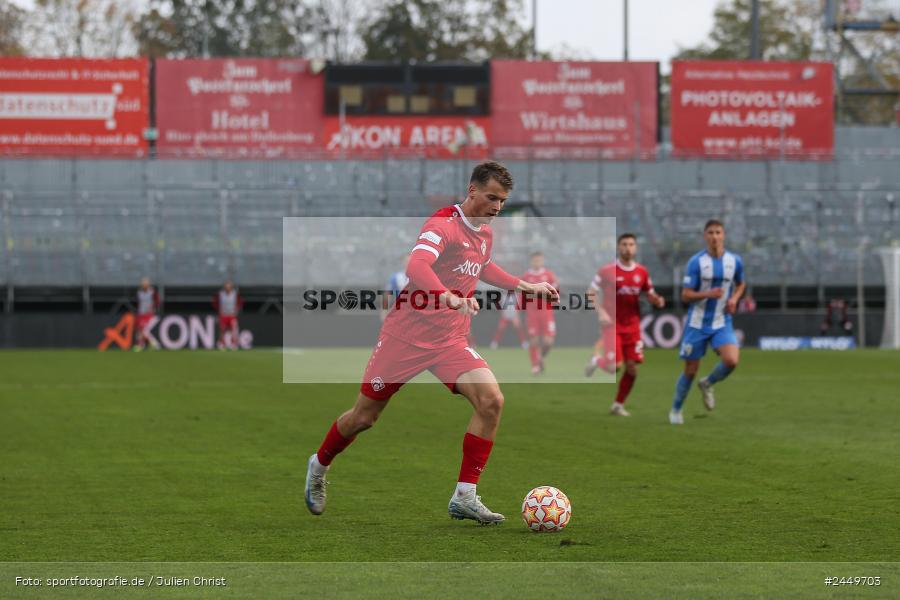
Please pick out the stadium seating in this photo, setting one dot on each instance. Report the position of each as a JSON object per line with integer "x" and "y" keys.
{"x": 192, "y": 222}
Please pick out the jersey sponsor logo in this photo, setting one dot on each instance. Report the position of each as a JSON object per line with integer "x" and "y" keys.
{"x": 431, "y": 237}
{"x": 628, "y": 290}
{"x": 377, "y": 384}
{"x": 469, "y": 268}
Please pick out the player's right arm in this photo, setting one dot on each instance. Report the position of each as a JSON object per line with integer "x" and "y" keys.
{"x": 690, "y": 291}
{"x": 421, "y": 275}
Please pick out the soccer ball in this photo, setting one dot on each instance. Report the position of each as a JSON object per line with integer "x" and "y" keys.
{"x": 546, "y": 509}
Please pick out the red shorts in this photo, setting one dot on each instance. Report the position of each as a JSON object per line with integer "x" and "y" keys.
{"x": 512, "y": 317}
{"x": 623, "y": 345}
{"x": 540, "y": 323}
{"x": 227, "y": 323}
{"x": 394, "y": 362}
{"x": 143, "y": 321}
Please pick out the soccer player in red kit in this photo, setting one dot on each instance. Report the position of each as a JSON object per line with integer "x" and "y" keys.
{"x": 621, "y": 284}
{"x": 427, "y": 329}
{"x": 539, "y": 317}
{"x": 228, "y": 303}
{"x": 509, "y": 316}
{"x": 147, "y": 305}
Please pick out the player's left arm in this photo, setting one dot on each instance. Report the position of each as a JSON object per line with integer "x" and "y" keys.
{"x": 655, "y": 299}
{"x": 739, "y": 288}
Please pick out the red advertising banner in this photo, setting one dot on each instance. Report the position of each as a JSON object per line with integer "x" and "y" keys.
{"x": 237, "y": 107}
{"x": 73, "y": 107}
{"x": 430, "y": 136}
{"x": 608, "y": 106}
{"x": 744, "y": 109}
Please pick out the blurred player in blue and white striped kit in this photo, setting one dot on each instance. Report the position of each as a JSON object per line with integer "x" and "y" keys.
{"x": 713, "y": 285}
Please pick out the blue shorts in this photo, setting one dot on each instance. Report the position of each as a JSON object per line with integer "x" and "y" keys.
{"x": 694, "y": 341}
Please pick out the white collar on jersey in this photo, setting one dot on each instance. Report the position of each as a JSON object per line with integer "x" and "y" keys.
{"x": 465, "y": 220}
{"x": 538, "y": 272}
{"x": 624, "y": 268}
{"x": 724, "y": 252}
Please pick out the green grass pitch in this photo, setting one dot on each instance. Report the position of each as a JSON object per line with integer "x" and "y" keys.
{"x": 187, "y": 457}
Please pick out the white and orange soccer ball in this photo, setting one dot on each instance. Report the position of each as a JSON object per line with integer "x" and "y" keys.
{"x": 546, "y": 509}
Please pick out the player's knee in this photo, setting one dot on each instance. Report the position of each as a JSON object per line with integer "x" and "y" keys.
{"x": 690, "y": 369}
{"x": 631, "y": 370}
{"x": 491, "y": 403}
{"x": 730, "y": 362}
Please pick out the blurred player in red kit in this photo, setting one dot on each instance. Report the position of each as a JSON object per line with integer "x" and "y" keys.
{"x": 540, "y": 319}
{"x": 228, "y": 303}
{"x": 620, "y": 284}
{"x": 427, "y": 330}
{"x": 509, "y": 317}
{"x": 147, "y": 305}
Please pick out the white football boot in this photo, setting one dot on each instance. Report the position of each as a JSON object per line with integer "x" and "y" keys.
{"x": 676, "y": 418}
{"x": 709, "y": 400}
{"x": 590, "y": 367}
{"x": 469, "y": 506}
{"x": 619, "y": 410}
{"x": 315, "y": 489}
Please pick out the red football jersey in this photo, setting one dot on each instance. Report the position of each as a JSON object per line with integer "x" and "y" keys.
{"x": 462, "y": 251}
{"x": 625, "y": 284}
{"x": 542, "y": 275}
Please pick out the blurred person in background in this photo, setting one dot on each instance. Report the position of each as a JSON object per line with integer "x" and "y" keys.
{"x": 540, "y": 319}
{"x": 395, "y": 285}
{"x": 147, "y": 307}
{"x": 837, "y": 313}
{"x": 509, "y": 316}
{"x": 227, "y": 303}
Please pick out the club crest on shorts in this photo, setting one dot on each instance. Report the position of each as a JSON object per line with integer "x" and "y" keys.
{"x": 377, "y": 384}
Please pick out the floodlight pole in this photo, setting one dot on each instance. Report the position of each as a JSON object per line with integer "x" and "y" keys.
{"x": 754, "y": 30}
{"x": 625, "y": 30}
{"x": 533, "y": 29}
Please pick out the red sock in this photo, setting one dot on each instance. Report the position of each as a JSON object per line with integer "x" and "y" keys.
{"x": 475, "y": 454}
{"x": 333, "y": 444}
{"x": 625, "y": 387}
{"x": 534, "y": 352}
{"x": 521, "y": 333}
{"x": 500, "y": 329}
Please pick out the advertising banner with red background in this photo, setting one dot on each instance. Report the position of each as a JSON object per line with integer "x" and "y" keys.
{"x": 73, "y": 107}
{"x": 238, "y": 107}
{"x": 608, "y": 106}
{"x": 421, "y": 135}
{"x": 744, "y": 109}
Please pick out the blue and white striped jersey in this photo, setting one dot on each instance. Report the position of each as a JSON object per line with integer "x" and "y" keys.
{"x": 397, "y": 282}
{"x": 705, "y": 272}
